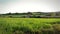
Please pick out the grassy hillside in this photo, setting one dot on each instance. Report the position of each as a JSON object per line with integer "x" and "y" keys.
{"x": 29, "y": 25}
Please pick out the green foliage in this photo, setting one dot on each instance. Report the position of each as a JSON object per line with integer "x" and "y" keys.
{"x": 28, "y": 25}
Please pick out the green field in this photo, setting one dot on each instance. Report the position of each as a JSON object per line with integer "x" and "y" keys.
{"x": 29, "y": 25}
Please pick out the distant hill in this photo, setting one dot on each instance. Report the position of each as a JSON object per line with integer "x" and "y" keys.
{"x": 32, "y": 14}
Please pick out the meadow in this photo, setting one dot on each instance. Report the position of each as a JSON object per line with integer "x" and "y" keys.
{"x": 29, "y": 25}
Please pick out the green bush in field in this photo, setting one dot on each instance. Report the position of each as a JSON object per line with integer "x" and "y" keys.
{"x": 27, "y": 25}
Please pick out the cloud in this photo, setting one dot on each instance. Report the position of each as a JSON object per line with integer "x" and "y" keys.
{"x": 29, "y": 5}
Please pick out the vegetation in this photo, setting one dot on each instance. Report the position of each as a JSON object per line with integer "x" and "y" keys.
{"x": 29, "y": 25}
{"x": 32, "y": 15}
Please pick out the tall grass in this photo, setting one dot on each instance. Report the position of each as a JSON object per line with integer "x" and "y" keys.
{"x": 28, "y": 25}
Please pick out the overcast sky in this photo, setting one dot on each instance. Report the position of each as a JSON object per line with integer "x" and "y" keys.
{"x": 29, "y": 6}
